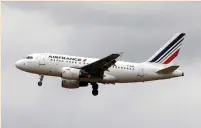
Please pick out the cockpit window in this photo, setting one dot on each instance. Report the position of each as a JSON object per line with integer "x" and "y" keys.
{"x": 29, "y": 57}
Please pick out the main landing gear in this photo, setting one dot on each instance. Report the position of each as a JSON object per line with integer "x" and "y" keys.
{"x": 41, "y": 80}
{"x": 95, "y": 89}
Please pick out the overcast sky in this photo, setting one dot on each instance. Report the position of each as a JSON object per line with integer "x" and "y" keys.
{"x": 95, "y": 30}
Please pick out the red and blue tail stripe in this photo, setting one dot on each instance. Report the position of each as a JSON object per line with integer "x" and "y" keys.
{"x": 169, "y": 51}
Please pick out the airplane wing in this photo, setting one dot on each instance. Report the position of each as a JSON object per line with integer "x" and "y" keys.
{"x": 98, "y": 67}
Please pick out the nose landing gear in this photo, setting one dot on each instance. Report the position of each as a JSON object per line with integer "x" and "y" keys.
{"x": 95, "y": 89}
{"x": 41, "y": 79}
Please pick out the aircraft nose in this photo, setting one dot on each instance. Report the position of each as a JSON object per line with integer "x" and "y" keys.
{"x": 19, "y": 64}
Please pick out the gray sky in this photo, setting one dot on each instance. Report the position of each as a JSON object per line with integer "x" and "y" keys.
{"x": 95, "y": 30}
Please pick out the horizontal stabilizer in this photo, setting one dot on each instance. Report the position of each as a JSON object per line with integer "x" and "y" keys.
{"x": 168, "y": 70}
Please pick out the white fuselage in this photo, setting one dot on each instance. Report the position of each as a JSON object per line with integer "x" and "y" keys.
{"x": 121, "y": 72}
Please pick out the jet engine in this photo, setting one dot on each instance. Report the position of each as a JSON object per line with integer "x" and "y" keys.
{"x": 73, "y": 84}
{"x": 71, "y": 73}
{"x": 70, "y": 83}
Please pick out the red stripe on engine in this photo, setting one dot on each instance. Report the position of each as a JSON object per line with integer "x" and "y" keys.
{"x": 172, "y": 57}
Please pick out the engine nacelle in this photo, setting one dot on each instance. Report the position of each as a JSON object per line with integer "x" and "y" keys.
{"x": 70, "y": 73}
{"x": 70, "y": 83}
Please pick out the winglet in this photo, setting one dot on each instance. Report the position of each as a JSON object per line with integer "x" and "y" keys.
{"x": 168, "y": 70}
{"x": 120, "y": 54}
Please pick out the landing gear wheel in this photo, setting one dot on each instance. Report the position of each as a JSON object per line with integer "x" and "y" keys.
{"x": 95, "y": 89}
{"x": 40, "y": 83}
{"x": 95, "y": 92}
{"x": 95, "y": 86}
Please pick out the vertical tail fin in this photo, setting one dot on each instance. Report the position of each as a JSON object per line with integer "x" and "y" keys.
{"x": 169, "y": 51}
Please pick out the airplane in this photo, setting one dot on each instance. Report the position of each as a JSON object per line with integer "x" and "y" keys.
{"x": 78, "y": 72}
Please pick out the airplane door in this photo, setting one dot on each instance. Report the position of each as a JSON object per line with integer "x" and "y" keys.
{"x": 140, "y": 71}
{"x": 140, "y": 74}
{"x": 42, "y": 60}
